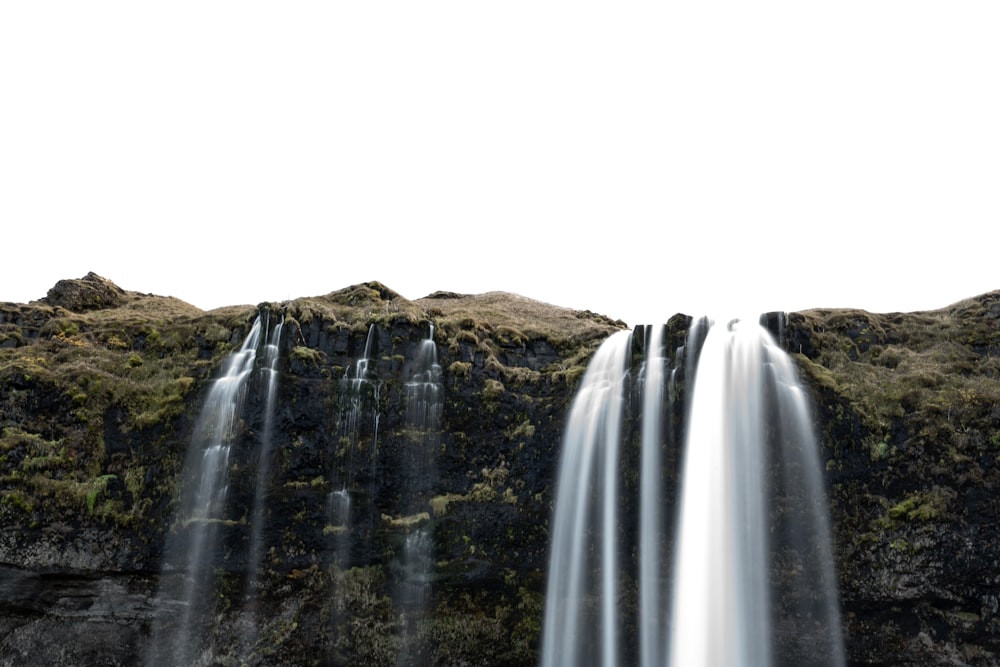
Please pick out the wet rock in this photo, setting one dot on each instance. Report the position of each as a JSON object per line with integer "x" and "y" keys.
{"x": 92, "y": 444}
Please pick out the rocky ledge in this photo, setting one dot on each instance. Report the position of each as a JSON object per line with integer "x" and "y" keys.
{"x": 100, "y": 389}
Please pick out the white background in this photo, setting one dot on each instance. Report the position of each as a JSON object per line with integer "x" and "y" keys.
{"x": 632, "y": 158}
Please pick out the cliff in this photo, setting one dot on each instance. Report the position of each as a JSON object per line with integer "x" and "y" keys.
{"x": 909, "y": 410}
{"x": 100, "y": 390}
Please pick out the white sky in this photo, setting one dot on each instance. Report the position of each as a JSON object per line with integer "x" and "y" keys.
{"x": 632, "y": 158}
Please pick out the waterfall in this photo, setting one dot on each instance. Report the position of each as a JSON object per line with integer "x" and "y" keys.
{"x": 747, "y": 579}
{"x": 358, "y": 414}
{"x": 652, "y": 619}
{"x": 721, "y": 597}
{"x": 359, "y": 411}
{"x": 424, "y": 402}
{"x": 423, "y": 390}
{"x": 194, "y": 538}
{"x": 258, "y": 517}
{"x": 360, "y": 390}
{"x": 586, "y": 487}
{"x": 270, "y": 372}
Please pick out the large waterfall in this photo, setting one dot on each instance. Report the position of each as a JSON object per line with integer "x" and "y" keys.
{"x": 746, "y": 577}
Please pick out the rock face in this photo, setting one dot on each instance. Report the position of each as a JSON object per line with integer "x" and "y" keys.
{"x": 909, "y": 407}
{"x": 92, "y": 292}
{"x": 387, "y": 541}
{"x": 97, "y": 410}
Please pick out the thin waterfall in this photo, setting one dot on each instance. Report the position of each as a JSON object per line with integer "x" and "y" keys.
{"x": 338, "y": 510}
{"x": 194, "y": 537}
{"x": 360, "y": 391}
{"x": 581, "y": 614}
{"x": 358, "y": 415}
{"x": 652, "y": 619}
{"x": 270, "y": 372}
{"x": 813, "y": 593}
{"x": 359, "y": 411}
{"x": 423, "y": 389}
{"x": 747, "y": 579}
{"x": 258, "y": 517}
{"x": 424, "y": 403}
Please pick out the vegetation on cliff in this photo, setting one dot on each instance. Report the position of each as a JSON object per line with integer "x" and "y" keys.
{"x": 82, "y": 388}
{"x": 909, "y": 406}
{"x": 100, "y": 388}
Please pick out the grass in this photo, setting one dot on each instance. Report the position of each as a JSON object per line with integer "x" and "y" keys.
{"x": 487, "y": 323}
{"x": 76, "y": 378}
{"x": 507, "y": 319}
{"x": 126, "y": 373}
{"x": 916, "y": 366}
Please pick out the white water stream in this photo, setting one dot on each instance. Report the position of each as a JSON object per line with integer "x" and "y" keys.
{"x": 749, "y": 452}
{"x": 204, "y": 489}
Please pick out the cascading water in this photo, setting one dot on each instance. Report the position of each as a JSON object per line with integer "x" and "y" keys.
{"x": 652, "y": 619}
{"x": 195, "y": 533}
{"x": 423, "y": 390}
{"x": 581, "y": 611}
{"x": 358, "y": 415}
{"x": 359, "y": 412}
{"x": 360, "y": 392}
{"x": 721, "y": 602}
{"x": 270, "y": 372}
{"x": 423, "y": 415}
{"x": 749, "y": 580}
{"x": 255, "y": 551}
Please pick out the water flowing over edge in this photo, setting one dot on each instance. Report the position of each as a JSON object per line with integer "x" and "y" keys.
{"x": 717, "y": 607}
{"x": 203, "y": 494}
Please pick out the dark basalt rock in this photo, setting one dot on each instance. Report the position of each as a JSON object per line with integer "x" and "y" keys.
{"x": 97, "y": 411}
{"x": 92, "y": 292}
{"x": 906, "y": 406}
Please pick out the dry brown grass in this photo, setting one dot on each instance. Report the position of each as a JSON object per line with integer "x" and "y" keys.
{"x": 938, "y": 370}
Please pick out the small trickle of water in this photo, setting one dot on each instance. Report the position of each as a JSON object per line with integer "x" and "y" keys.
{"x": 424, "y": 389}
{"x": 338, "y": 511}
{"x": 270, "y": 373}
{"x": 360, "y": 412}
{"x": 414, "y": 568}
{"x": 255, "y": 551}
{"x": 418, "y": 556}
{"x": 338, "y": 504}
